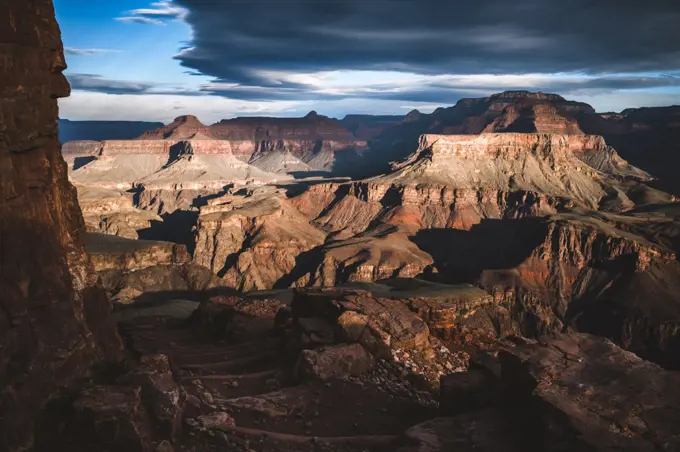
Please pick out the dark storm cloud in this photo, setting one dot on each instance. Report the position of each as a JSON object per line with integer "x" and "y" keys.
{"x": 446, "y": 89}
{"x": 235, "y": 40}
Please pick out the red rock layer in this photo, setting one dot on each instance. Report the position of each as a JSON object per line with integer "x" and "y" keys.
{"x": 54, "y": 323}
{"x": 511, "y": 111}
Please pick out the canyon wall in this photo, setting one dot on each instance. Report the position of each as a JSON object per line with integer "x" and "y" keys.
{"x": 54, "y": 323}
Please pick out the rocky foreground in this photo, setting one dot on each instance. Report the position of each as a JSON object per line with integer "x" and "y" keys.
{"x": 343, "y": 370}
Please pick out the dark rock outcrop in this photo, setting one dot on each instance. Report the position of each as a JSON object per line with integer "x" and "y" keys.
{"x": 573, "y": 392}
{"x": 54, "y": 315}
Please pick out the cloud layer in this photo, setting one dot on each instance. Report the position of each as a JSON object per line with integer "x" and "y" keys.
{"x": 256, "y": 49}
{"x": 96, "y": 83}
{"x": 72, "y": 51}
{"x": 156, "y": 14}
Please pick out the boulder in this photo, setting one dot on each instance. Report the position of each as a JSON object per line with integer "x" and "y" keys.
{"x": 336, "y": 361}
{"x": 162, "y": 395}
{"x": 218, "y": 421}
{"x": 109, "y": 418}
{"x": 237, "y": 317}
{"x": 575, "y": 392}
{"x": 381, "y": 325}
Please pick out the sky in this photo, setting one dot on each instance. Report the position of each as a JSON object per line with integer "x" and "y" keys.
{"x": 156, "y": 60}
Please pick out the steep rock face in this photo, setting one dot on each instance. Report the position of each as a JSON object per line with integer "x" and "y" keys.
{"x": 144, "y": 270}
{"x": 113, "y": 212}
{"x": 54, "y": 322}
{"x": 511, "y": 111}
{"x": 555, "y": 165}
{"x": 197, "y": 163}
{"x": 120, "y": 163}
{"x": 79, "y": 153}
{"x": 310, "y": 127}
{"x": 253, "y": 241}
{"x": 584, "y": 271}
{"x": 456, "y": 181}
{"x": 116, "y": 253}
{"x": 507, "y": 112}
{"x": 317, "y": 141}
{"x": 572, "y": 392}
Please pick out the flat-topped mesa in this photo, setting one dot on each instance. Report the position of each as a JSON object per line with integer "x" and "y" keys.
{"x": 577, "y": 167}
{"x": 182, "y": 128}
{"x": 313, "y": 140}
{"x": 556, "y": 148}
{"x": 512, "y": 111}
{"x": 125, "y": 163}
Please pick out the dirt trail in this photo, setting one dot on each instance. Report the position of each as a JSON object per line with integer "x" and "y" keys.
{"x": 250, "y": 379}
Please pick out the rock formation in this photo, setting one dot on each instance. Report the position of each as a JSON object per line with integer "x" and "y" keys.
{"x": 54, "y": 316}
{"x": 252, "y": 241}
{"x": 511, "y": 111}
{"x": 553, "y": 396}
{"x": 543, "y": 222}
{"x": 80, "y": 153}
{"x": 113, "y": 212}
{"x": 144, "y": 271}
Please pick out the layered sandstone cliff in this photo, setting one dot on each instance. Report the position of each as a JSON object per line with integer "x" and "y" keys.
{"x": 169, "y": 164}
{"x": 451, "y": 182}
{"x": 113, "y": 212}
{"x": 54, "y": 322}
{"x": 252, "y": 241}
{"x": 580, "y": 168}
{"x": 144, "y": 270}
{"x": 79, "y": 153}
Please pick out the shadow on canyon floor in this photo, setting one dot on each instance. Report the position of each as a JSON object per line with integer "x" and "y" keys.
{"x": 461, "y": 256}
{"x": 176, "y": 227}
{"x": 79, "y": 162}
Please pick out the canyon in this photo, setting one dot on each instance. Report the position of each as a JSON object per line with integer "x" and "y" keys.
{"x": 511, "y": 196}
{"x": 510, "y": 284}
